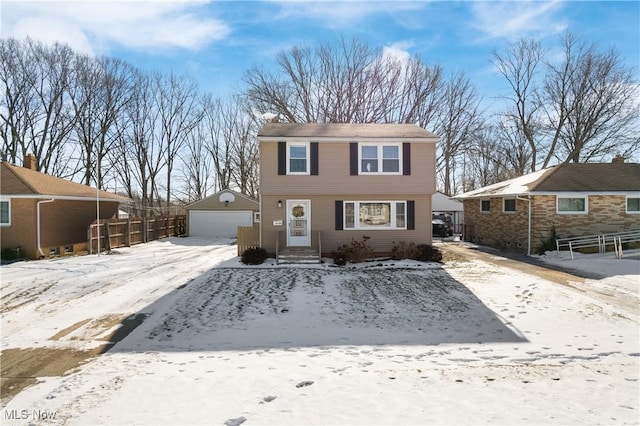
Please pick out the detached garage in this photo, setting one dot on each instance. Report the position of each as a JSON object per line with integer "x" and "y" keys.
{"x": 219, "y": 215}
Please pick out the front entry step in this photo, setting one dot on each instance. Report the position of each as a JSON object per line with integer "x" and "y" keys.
{"x": 298, "y": 255}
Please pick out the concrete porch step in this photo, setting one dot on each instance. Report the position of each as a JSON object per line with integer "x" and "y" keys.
{"x": 298, "y": 255}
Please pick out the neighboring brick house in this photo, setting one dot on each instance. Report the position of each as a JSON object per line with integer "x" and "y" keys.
{"x": 43, "y": 215}
{"x": 576, "y": 199}
{"x": 335, "y": 182}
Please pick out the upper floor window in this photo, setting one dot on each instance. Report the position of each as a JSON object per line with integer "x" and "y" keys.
{"x": 298, "y": 158}
{"x": 5, "y": 213}
{"x": 380, "y": 158}
{"x": 509, "y": 205}
{"x": 485, "y": 206}
{"x": 572, "y": 205}
{"x": 633, "y": 204}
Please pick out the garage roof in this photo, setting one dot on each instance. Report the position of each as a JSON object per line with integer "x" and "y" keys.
{"x": 236, "y": 201}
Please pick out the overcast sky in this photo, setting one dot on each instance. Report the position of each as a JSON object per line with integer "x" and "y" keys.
{"x": 217, "y": 41}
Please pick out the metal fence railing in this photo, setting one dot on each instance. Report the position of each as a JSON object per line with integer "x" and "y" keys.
{"x": 601, "y": 241}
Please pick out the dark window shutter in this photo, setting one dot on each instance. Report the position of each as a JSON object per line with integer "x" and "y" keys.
{"x": 339, "y": 207}
{"x": 282, "y": 158}
{"x": 314, "y": 158}
{"x": 406, "y": 158}
{"x": 353, "y": 158}
{"x": 411, "y": 215}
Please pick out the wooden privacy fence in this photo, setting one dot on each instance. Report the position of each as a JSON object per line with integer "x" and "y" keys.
{"x": 113, "y": 233}
{"x": 248, "y": 237}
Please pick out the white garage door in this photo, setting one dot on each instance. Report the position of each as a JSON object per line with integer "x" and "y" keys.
{"x": 208, "y": 224}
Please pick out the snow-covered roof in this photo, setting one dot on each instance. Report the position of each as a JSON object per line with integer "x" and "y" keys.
{"x": 571, "y": 177}
{"x": 517, "y": 186}
{"x": 441, "y": 202}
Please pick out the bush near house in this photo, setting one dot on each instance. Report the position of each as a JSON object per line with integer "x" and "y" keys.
{"x": 404, "y": 250}
{"x": 428, "y": 253}
{"x": 354, "y": 252}
{"x": 254, "y": 256}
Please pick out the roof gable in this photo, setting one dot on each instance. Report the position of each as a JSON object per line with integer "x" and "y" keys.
{"x": 17, "y": 180}
{"x": 214, "y": 202}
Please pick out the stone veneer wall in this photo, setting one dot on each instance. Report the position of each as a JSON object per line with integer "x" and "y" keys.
{"x": 496, "y": 228}
{"x": 606, "y": 214}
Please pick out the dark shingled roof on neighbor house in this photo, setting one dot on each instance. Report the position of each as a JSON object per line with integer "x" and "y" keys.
{"x": 344, "y": 131}
{"x": 570, "y": 177}
{"x": 22, "y": 181}
{"x": 592, "y": 177}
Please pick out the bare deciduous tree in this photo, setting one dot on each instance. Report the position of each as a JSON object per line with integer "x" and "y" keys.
{"x": 457, "y": 123}
{"x": 519, "y": 65}
{"x": 178, "y": 113}
{"x": 345, "y": 83}
{"x": 592, "y": 99}
{"x": 102, "y": 89}
{"x": 37, "y": 118}
{"x": 582, "y": 107}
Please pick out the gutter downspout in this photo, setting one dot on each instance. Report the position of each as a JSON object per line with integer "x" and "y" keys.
{"x": 38, "y": 223}
{"x": 528, "y": 199}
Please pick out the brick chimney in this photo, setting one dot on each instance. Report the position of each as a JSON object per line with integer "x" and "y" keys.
{"x": 30, "y": 162}
{"x": 618, "y": 159}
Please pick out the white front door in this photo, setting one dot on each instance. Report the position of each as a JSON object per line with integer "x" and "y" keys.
{"x": 299, "y": 223}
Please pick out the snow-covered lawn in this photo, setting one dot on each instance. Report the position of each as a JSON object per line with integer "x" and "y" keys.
{"x": 380, "y": 343}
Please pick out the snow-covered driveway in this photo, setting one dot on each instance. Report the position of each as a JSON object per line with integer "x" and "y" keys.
{"x": 42, "y": 298}
{"x": 380, "y": 343}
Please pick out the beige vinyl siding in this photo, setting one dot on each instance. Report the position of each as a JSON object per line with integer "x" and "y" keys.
{"x": 213, "y": 203}
{"x": 334, "y": 177}
{"x": 323, "y": 219}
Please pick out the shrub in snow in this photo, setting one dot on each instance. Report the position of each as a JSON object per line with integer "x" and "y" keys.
{"x": 428, "y": 253}
{"x": 550, "y": 243}
{"x": 254, "y": 256}
{"x": 404, "y": 250}
{"x": 354, "y": 252}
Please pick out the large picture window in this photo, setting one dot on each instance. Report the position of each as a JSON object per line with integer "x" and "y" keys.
{"x": 380, "y": 159}
{"x": 572, "y": 205}
{"x": 5, "y": 212}
{"x": 375, "y": 215}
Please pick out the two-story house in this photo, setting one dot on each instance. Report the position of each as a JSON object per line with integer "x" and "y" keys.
{"x": 323, "y": 185}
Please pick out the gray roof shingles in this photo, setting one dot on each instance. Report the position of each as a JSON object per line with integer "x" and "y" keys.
{"x": 344, "y": 130}
{"x": 591, "y": 177}
{"x": 22, "y": 181}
